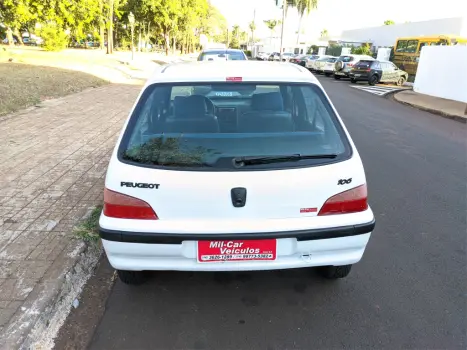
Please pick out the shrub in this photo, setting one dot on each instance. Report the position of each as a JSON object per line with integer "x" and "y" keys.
{"x": 55, "y": 39}
{"x": 313, "y": 50}
{"x": 362, "y": 50}
{"x": 248, "y": 53}
{"x": 334, "y": 50}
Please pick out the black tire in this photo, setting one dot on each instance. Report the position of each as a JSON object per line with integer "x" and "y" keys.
{"x": 401, "y": 81}
{"x": 337, "y": 77}
{"x": 327, "y": 74}
{"x": 353, "y": 81}
{"x": 131, "y": 277}
{"x": 335, "y": 272}
{"x": 373, "y": 80}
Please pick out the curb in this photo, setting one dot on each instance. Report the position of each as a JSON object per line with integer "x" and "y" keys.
{"x": 48, "y": 305}
{"x": 432, "y": 111}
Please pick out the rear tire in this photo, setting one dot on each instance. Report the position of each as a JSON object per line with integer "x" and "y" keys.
{"x": 353, "y": 81}
{"x": 327, "y": 74}
{"x": 337, "y": 77}
{"x": 373, "y": 80}
{"x": 131, "y": 277}
{"x": 401, "y": 81}
{"x": 334, "y": 272}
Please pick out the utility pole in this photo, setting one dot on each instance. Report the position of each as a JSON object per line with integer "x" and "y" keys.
{"x": 253, "y": 32}
{"x": 284, "y": 9}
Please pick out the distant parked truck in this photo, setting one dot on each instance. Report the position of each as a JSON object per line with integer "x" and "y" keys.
{"x": 407, "y": 50}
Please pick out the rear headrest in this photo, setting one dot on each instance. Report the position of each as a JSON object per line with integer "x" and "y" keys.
{"x": 270, "y": 101}
{"x": 193, "y": 106}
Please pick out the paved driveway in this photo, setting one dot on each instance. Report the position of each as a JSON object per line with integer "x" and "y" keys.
{"x": 52, "y": 163}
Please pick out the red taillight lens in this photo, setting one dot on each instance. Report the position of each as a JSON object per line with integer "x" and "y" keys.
{"x": 122, "y": 206}
{"x": 351, "y": 201}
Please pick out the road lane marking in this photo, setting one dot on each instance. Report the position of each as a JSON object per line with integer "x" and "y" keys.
{"x": 377, "y": 90}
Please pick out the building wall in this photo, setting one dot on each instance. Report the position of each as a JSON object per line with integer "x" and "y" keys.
{"x": 386, "y": 35}
{"x": 451, "y": 82}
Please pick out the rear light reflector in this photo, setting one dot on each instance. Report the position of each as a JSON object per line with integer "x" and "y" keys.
{"x": 351, "y": 201}
{"x": 122, "y": 206}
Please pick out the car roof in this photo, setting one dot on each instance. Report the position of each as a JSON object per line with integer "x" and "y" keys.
{"x": 219, "y": 71}
{"x": 223, "y": 50}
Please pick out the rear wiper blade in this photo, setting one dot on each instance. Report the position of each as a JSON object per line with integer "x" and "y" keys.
{"x": 251, "y": 160}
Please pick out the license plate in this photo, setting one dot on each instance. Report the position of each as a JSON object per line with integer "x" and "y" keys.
{"x": 357, "y": 75}
{"x": 238, "y": 250}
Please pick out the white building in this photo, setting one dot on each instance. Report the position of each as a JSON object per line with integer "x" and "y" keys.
{"x": 384, "y": 36}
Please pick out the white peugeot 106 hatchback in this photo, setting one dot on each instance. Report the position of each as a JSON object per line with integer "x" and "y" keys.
{"x": 234, "y": 166}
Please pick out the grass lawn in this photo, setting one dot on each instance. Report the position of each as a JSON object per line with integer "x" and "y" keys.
{"x": 23, "y": 85}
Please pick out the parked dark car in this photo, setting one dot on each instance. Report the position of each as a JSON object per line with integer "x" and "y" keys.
{"x": 377, "y": 72}
{"x": 298, "y": 59}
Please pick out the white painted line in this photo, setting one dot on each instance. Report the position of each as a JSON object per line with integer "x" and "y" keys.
{"x": 373, "y": 90}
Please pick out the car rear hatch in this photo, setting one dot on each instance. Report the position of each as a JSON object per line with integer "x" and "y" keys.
{"x": 362, "y": 68}
{"x": 264, "y": 169}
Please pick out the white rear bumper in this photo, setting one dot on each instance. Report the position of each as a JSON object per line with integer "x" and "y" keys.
{"x": 291, "y": 253}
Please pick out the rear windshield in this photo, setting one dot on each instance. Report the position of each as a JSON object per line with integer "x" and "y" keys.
{"x": 210, "y": 126}
{"x": 222, "y": 55}
{"x": 363, "y": 64}
{"x": 346, "y": 58}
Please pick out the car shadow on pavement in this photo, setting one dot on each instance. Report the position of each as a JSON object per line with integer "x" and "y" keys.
{"x": 203, "y": 299}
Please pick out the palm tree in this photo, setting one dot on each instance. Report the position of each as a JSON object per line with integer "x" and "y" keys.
{"x": 252, "y": 27}
{"x": 324, "y": 33}
{"x": 303, "y": 6}
{"x": 272, "y": 24}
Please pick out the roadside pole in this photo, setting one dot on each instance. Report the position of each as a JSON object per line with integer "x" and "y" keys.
{"x": 284, "y": 8}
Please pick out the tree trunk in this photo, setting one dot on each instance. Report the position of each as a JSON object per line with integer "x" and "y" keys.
{"x": 110, "y": 35}
{"x": 9, "y": 35}
{"x": 18, "y": 35}
{"x": 139, "y": 40}
{"x": 102, "y": 36}
{"x": 299, "y": 29}
{"x": 101, "y": 25}
{"x": 174, "y": 47}
{"x": 167, "y": 43}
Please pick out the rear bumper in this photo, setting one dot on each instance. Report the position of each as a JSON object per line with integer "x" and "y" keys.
{"x": 358, "y": 76}
{"x": 175, "y": 238}
{"x": 295, "y": 249}
{"x": 342, "y": 73}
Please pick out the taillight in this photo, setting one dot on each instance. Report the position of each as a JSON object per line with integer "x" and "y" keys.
{"x": 122, "y": 206}
{"x": 350, "y": 64}
{"x": 351, "y": 201}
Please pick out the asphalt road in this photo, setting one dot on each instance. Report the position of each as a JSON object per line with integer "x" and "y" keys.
{"x": 408, "y": 291}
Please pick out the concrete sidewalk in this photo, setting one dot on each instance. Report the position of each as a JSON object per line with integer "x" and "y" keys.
{"x": 53, "y": 160}
{"x": 446, "y": 108}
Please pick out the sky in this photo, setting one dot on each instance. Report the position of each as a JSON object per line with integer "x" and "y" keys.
{"x": 336, "y": 15}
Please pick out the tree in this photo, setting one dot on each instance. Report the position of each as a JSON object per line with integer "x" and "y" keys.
{"x": 252, "y": 27}
{"x": 324, "y": 33}
{"x": 362, "y": 50}
{"x": 272, "y": 24}
{"x": 389, "y": 22}
{"x": 302, "y": 6}
{"x": 235, "y": 41}
{"x": 14, "y": 13}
